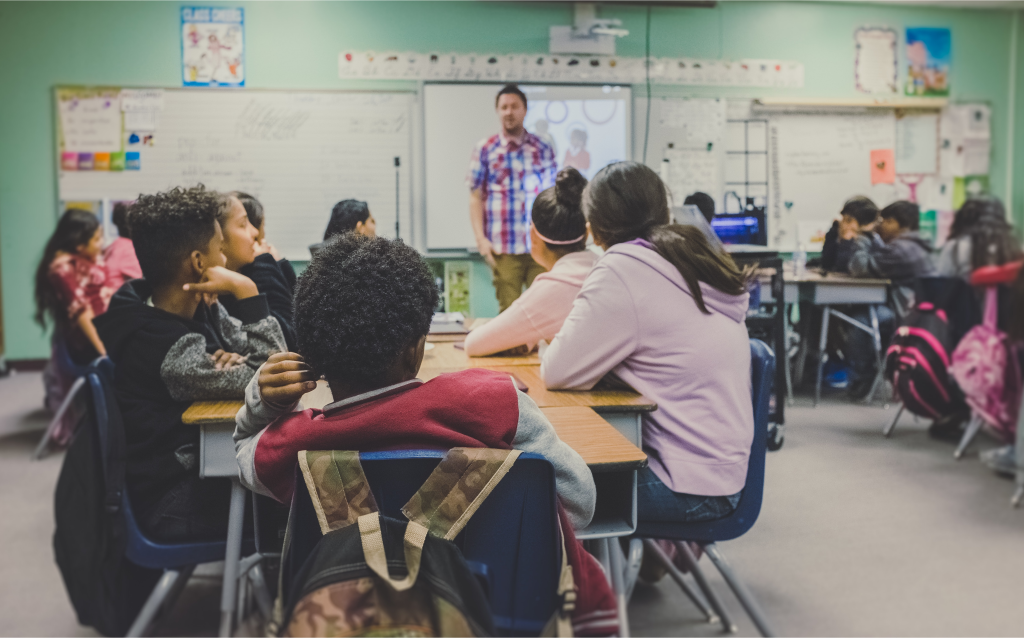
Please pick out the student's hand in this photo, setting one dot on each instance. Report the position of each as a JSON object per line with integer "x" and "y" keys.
{"x": 486, "y": 249}
{"x": 218, "y": 280}
{"x": 227, "y": 360}
{"x": 264, "y": 247}
{"x": 284, "y": 378}
{"x": 848, "y": 228}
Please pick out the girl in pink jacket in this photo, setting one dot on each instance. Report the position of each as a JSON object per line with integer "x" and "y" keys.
{"x": 558, "y": 238}
{"x": 664, "y": 311}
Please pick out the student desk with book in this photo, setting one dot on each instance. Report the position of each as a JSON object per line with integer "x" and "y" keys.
{"x": 612, "y": 458}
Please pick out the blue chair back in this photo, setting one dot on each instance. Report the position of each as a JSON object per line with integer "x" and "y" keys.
{"x": 511, "y": 543}
{"x": 139, "y": 549}
{"x": 762, "y": 373}
{"x": 67, "y": 365}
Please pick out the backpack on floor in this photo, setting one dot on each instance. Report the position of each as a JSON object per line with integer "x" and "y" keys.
{"x": 986, "y": 368}
{"x": 373, "y": 575}
{"x": 105, "y": 588}
{"x": 917, "y": 363}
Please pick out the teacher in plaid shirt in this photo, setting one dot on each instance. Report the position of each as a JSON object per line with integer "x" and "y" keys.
{"x": 507, "y": 172}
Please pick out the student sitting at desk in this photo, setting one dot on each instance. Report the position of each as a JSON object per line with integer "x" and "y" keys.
{"x": 704, "y": 203}
{"x": 664, "y": 311}
{"x": 362, "y": 313}
{"x": 979, "y": 236}
{"x": 558, "y": 235}
{"x": 851, "y": 230}
{"x": 895, "y": 251}
{"x": 254, "y": 211}
{"x": 243, "y": 254}
{"x": 169, "y": 349}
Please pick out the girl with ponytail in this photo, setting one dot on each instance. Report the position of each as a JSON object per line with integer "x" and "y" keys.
{"x": 664, "y": 311}
{"x": 558, "y": 237}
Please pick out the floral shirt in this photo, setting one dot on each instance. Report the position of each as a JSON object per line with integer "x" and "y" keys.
{"x": 80, "y": 284}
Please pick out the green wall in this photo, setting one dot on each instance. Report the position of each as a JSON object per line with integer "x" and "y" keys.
{"x": 296, "y": 45}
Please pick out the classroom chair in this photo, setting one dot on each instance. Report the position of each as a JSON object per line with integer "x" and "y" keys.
{"x": 177, "y": 560}
{"x": 511, "y": 543}
{"x": 67, "y": 369}
{"x": 708, "y": 534}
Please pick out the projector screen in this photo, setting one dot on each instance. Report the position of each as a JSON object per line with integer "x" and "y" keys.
{"x": 588, "y": 127}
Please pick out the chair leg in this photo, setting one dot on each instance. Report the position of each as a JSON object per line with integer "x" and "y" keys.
{"x": 822, "y": 345}
{"x": 673, "y": 571}
{"x": 634, "y": 558}
{"x": 965, "y": 441}
{"x": 1018, "y": 496}
{"x": 231, "y": 557}
{"x": 740, "y": 590}
{"x": 260, "y": 592}
{"x": 41, "y": 449}
{"x": 887, "y": 430}
{"x": 164, "y": 587}
{"x": 702, "y": 582}
{"x": 876, "y": 340}
{"x": 618, "y": 586}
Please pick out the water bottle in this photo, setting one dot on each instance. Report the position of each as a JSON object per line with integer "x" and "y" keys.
{"x": 800, "y": 261}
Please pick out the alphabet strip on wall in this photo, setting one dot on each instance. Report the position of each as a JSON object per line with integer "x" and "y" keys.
{"x": 473, "y": 67}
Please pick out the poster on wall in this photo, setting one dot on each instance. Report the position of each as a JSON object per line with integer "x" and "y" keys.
{"x": 875, "y": 67}
{"x": 212, "y": 46}
{"x": 928, "y": 58}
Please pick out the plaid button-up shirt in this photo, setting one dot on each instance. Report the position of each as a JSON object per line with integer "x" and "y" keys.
{"x": 511, "y": 176}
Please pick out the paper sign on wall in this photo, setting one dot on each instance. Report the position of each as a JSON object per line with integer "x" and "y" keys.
{"x": 875, "y": 67}
{"x": 90, "y": 123}
{"x": 212, "y": 46}
{"x": 883, "y": 166}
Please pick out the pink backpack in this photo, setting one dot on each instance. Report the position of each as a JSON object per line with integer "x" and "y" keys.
{"x": 986, "y": 368}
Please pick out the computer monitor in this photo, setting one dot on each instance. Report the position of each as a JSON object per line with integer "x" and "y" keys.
{"x": 745, "y": 228}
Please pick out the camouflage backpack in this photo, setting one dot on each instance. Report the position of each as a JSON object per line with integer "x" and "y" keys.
{"x": 345, "y": 585}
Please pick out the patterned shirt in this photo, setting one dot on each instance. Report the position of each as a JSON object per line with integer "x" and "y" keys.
{"x": 80, "y": 284}
{"x": 511, "y": 175}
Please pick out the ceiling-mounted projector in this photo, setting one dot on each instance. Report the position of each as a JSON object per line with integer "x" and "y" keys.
{"x": 589, "y": 35}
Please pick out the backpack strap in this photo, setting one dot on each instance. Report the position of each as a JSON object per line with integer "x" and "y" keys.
{"x": 337, "y": 486}
{"x": 560, "y": 623}
{"x": 376, "y": 559}
{"x": 457, "y": 487}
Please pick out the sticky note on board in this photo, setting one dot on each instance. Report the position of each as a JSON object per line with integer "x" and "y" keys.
{"x": 117, "y": 161}
{"x": 101, "y": 161}
{"x": 883, "y": 166}
{"x": 132, "y": 161}
{"x": 85, "y": 161}
{"x": 69, "y": 161}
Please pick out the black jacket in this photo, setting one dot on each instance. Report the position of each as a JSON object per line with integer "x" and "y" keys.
{"x": 162, "y": 365}
{"x": 276, "y": 280}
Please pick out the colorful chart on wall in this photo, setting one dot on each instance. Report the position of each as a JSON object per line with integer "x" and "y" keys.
{"x": 928, "y": 59}
{"x": 212, "y": 46}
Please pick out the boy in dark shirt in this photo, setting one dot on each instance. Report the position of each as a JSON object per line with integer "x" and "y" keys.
{"x": 852, "y": 229}
{"x": 171, "y": 348}
{"x": 896, "y": 251}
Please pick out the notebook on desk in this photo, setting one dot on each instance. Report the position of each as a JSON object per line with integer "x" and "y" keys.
{"x": 448, "y": 323}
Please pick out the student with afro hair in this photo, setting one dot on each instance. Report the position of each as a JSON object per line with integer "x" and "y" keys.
{"x": 362, "y": 313}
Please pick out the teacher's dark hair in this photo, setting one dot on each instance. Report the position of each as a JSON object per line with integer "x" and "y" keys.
{"x": 510, "y": 89}
{"x": 557, "y": 213}
{"x": 627, "y": 201}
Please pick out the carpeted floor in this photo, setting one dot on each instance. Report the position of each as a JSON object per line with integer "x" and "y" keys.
{"x": 858, "y": 535}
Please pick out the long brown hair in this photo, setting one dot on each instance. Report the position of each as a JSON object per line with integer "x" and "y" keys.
{"x": 993, "y": 242}
{"x": 627, "y": 201}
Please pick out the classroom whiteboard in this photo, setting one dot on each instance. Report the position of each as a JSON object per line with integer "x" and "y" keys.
{"x": 297, "y": 152}
{"x": 817, "y": 162}
{"x": 457, "y": 116}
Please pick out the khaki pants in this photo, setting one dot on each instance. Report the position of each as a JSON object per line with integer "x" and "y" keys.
{"x": 511, "y": 273}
